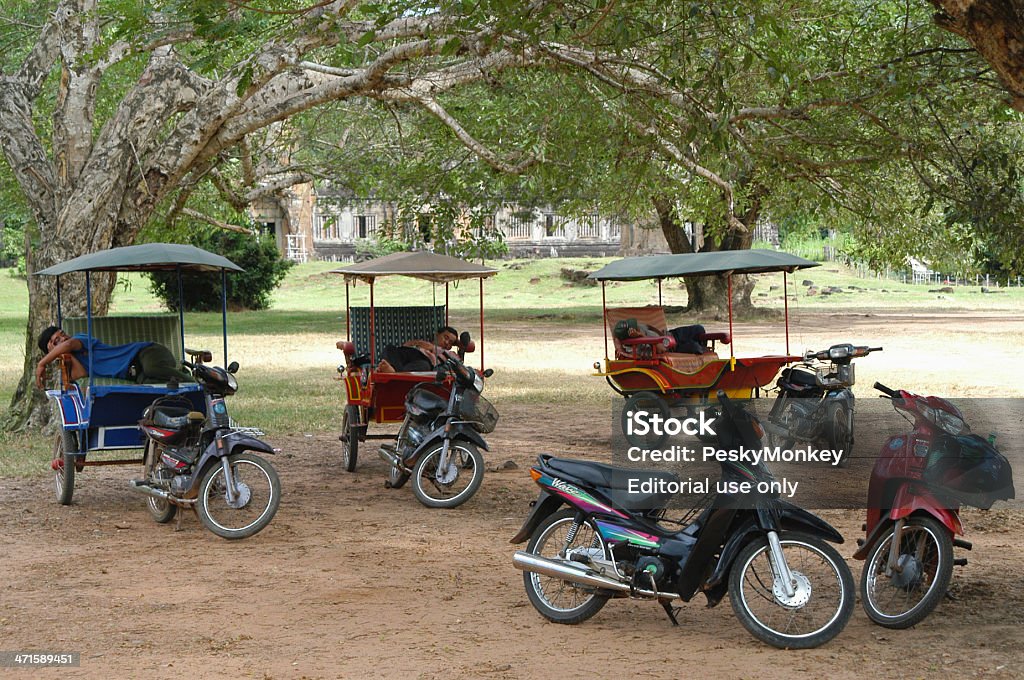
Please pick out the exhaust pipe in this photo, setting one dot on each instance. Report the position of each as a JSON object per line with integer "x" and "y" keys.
{"x": 390, "y": 456}
{"x": 579, "y": 575}
{"x": 147, "y": 490}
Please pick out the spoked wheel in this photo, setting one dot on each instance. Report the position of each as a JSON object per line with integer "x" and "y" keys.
{"x": 925, "y": 563}
{"x": 258, "y": 493}
{"x": 557, "y": 600}
{"x": 653, "y": 405}
{"x": 455, "y": 483}
{"x": 65, "y": 445}
{"x": 162, "y": 511}
{"x": 784, "y": 421}
{"x": 839, "y": 421}
{"x": 822, "y": 599}
{"x": 350, "y": 438}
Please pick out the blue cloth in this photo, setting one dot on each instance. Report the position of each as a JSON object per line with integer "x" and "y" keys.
{"x": 109, "y": 361}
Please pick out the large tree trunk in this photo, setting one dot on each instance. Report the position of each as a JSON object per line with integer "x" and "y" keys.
{"x": 708, "y": 296}
{"x": 996, "y": 29}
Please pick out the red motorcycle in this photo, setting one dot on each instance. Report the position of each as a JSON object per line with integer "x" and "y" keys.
{"x": 918, "y": 484}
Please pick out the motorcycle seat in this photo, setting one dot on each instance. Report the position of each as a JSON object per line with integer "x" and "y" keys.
{"x": 614, "y": 481}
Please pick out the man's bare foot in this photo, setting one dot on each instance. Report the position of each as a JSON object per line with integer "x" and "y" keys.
{"x": 385, "y": 367}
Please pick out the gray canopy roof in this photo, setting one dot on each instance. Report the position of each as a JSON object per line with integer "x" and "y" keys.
{"x": 420, "y": 265}
{"x": 700, "y": 264}
{"x": 146, "y": 257}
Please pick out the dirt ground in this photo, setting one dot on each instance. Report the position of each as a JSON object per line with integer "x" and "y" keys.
{"x": 355, "y": 580}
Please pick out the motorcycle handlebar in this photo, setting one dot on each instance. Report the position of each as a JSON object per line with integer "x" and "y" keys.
{"x": 886, "y": 390}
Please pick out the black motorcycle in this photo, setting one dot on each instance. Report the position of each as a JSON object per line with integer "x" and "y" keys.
{"x": 815, "y": 402}
{"x": 788, "y": 587}
{"x": 201, "y": 461}
{"x": 439, "y": 442}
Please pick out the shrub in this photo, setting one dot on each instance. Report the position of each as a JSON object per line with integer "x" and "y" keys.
{"x": 250, "y": 289}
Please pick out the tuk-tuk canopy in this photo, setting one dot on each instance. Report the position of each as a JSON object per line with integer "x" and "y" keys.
{"x": 700, "y": 264}
{"x": 420, "y": 265}
{"x": 147, "y": 257}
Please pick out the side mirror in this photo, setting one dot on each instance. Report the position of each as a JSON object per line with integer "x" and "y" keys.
{"x": 233, "y": 367}
{"x": 489, "y": 372}
{"x": 465, "y": 340}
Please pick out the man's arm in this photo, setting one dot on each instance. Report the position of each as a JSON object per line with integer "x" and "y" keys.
{"x": 67, "y": 347}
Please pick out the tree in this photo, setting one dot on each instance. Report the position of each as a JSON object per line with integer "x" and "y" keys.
{"x": 115, "y": 111}
{"x": 995, "y": 28}
{"x": 723, "y": 114}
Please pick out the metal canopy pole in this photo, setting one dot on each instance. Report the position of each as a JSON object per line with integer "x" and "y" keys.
{"x": 223, "y": 313}
{"x": 181, "y": 307}
{"x": 604, "y": 319}
{"x": 60, "y": 316}
{"x": 481, "y": 322}
{"x": 785, "y": 297}
{"x": 88, "y": 317}
{"x": 348, "y": 315}
{"x": 373, "y": 331}
{"x": 732, "y": 343}
{"x": 659, "y": 293}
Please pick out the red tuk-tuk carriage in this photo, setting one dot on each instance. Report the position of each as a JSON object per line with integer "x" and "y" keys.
{"x": 374, "y": 396}
{"x": 658, "y": 380}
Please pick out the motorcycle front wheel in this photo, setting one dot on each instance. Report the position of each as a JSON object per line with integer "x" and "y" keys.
{"x": 557, "y": 600}
{"x": 258, "y": 493}
{"x": 820, "y": 605}
{"x": 925, "y": 562}
{"x": 453, "y": 485}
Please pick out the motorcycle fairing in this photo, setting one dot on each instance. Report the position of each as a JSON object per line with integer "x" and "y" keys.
{"x": 577, "y": 497}
{"x": 612, "y": 482}
{"x": 781, "y": 516}
{"x": 233, "y": 442}
{"x": 949, "y": 519}
{"x": 614, "y": 533}
{"x": 907, "y": 502}
{"x": 455, "y": 431}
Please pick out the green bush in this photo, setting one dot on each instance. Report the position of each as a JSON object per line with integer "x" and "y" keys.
{"x": 250, "y": 289}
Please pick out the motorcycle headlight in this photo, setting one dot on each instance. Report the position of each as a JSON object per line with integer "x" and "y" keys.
{"x": 837, "y": 352}
{"x": 478, "y": 382}
{"x": 946, "y": 421}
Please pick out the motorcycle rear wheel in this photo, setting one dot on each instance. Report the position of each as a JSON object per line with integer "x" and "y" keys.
{"x": 259, "y": 480}
{"x": 556, "y": 600}
{"x": 820, "y": 606}
{"x": 463, "y": 459}
{"x": 160, "y": 510}
{"x": 838, "y": 421}
{"x": 905, "y": 599}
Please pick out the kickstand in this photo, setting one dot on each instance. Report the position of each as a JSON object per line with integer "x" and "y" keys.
{"x": 177, "y": 521}
{"x": 670, "y": 610}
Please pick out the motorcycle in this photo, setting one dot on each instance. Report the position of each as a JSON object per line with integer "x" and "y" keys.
{"x": 789, "y": 588}
{"x": 917, "y": 486}
{"x": 438, "y": 444}
{"x": 815, "y": 403}
{"x": 202, "y": 462}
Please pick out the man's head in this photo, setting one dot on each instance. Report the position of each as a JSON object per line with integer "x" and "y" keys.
{"x": 50, "y": 338}
{"x": 446, "y": 337}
